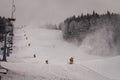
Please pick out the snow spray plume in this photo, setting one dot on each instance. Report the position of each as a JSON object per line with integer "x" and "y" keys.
{"x": 99, "y": 35}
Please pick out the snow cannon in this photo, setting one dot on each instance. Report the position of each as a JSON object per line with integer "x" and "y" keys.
{"x": 71, "y": 60}
{"x": 34, "y": 56}
{"x": 29, "y": 44}
{"x": 46, "y": 61}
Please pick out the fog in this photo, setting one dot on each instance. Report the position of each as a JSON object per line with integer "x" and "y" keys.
{"x": 54, "y": 11}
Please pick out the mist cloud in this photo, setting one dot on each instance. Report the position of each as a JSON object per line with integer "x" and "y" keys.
{"x": 54, "y": 11}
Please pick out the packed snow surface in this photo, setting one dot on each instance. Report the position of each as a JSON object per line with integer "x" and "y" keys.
{"x": 49, "y": 45}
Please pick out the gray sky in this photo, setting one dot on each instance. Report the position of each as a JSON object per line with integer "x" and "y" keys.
{"x": 54, "y": 11}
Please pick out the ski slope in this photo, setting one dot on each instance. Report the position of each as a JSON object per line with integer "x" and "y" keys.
{"x": 52, "y": 72}
{"x": 49, "y": 45}
{"x": 108, "y": 67}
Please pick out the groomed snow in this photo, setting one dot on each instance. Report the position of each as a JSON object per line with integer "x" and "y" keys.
{"x": 49, "y": 45}
{"x": 108, "y": 67}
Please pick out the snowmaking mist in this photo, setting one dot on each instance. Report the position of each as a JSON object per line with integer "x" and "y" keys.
{"x": 95, "y": 34}
{"x": 99, "y": 42}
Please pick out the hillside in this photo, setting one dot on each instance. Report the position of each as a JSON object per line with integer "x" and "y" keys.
{"x": 50, "y": 45}
{"x": 98, "y": 33}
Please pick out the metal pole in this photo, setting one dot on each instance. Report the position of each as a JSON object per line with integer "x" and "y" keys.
{"x": 5, "y": 47}
{"x": 13, "y": 8}
{"x": 8, "y": 53}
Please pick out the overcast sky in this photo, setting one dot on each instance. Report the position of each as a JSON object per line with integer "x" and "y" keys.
{"x": 54, "y": 11}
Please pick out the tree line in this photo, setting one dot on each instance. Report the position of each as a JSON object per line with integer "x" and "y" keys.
{"x": 77, "y": 27}
{"x": 4, "y": 23}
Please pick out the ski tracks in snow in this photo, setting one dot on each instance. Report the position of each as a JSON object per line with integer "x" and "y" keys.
{"x": 51, "y": 72}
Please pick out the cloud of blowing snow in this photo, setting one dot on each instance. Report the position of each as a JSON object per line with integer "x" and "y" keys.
{"x": 100, "y": 42}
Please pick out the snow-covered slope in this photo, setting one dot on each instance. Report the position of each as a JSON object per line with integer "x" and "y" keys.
{"x": 49, "y": 45}
{"x": 46, "y": 44}
{"x": 52, "y": 72}
{"x": 108, "y": 67}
